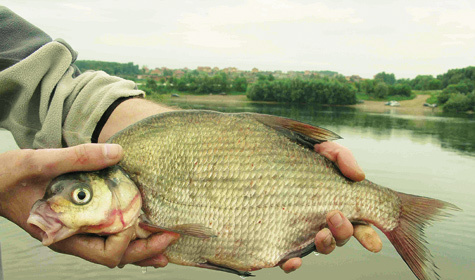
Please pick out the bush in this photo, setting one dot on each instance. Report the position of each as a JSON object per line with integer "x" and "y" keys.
{"x": 459, "y": 103}
{"x": 443, "y": 97}
{"x": 402, "y": 90}
{"x": 381, "y": 90}
{"x": 303, "y": 91}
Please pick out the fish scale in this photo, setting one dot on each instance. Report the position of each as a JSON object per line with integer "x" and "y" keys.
{"x": 232, "y": 167}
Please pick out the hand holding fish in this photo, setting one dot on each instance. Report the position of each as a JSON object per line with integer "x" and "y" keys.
{"x": 340, "y": 229}
{"x": 24, "y": 175}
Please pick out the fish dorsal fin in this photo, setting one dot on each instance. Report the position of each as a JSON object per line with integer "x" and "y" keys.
{"x": 195, "y": 230}
{"x": 297, "y": 131}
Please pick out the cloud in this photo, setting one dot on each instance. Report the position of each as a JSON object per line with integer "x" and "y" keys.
{"x": 259, "y": 11}
{"x": 462, "y": 17}
{"x": 453, "y": 26}
{"x": 211, "y": 28}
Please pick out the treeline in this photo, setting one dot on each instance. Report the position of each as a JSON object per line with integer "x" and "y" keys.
{"x": 312, "y": 91}
{"x": 127, "y": 70}
{"x": 458, "y": 94}
{"x": 457, "y": 86}
{"x": 197, "y": 83}
{"x": 384, "y": 85}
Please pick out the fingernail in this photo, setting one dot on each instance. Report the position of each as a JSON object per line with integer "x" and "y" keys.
{"x": 374, "y": 244}
{"x": 341, "y": 243}
{"x": 111, "y": 151}
{"x": 336, "y": 220}
{"x": 327, "y": 242}
{"x": 359, "y": 171}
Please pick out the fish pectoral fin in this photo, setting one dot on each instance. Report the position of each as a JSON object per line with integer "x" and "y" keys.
{"x": 210, "y": 265}
{"x": 195, "y": 230}
{"x": 297, "y": 131}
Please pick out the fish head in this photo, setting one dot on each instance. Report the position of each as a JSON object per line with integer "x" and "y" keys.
{"x": 101, "y": 202}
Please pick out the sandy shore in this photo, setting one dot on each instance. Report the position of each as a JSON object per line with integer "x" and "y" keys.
{"x": 409, "y": 107}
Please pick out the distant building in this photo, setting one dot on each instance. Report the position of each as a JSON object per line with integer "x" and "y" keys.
{"x": 255, "y": 70}
{"x": 230, "y": 70}
{"x": 157, "y": 72}
{"x": 354, "y": 78}
{"x": 205, "y": 69}
{"x": 178, "y": 73}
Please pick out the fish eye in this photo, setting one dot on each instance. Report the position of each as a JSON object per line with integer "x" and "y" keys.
{"x": 81, "y": 195}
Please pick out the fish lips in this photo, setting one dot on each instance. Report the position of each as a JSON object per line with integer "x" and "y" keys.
{"x": 44, "y": 218}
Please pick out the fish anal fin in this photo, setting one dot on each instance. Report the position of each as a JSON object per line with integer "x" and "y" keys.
{"x": 292, "y": 128}
{"x": 210, "y": 265}
{"x": 299, "y": 253}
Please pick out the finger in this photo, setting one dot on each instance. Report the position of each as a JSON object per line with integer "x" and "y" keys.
{"x": 156, "y": 261}
{"x": 368, "y": 237}
{"x": 325, "y": 242}
{"x": 98, "y": 250}
{"x": 142, "y": 249}
{"x": 343, "y": 158}
{"x": 85, "y": 157}
{"x": 340, "y": 227}
{"x": 291, "y": 265}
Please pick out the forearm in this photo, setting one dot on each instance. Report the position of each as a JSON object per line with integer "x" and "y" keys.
{"x": 45, "y": 102}
{"x": 129, "y": 112}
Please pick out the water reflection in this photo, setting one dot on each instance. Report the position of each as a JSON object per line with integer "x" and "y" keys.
{"x": 398, "y": 151}
{"x": 455, "y": 133}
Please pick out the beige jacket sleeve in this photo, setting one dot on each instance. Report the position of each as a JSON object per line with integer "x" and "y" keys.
{"x": 45, "y": 106}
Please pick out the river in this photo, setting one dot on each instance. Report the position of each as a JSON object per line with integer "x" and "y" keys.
{"x": 429, "y": 155}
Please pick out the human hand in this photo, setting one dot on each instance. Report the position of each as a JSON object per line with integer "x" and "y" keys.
{"x": 340, "y": 229}
{"x": 24, "y": 175}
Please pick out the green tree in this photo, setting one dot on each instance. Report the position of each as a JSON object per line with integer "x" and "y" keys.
{"x": 401, "y": 90}
{"x": 381, "y": 90}
{"x": 181, "y": 85}
{"x": 435, "y": 84}
{"x": 387, "y": 78}
{"x": 458, "y": 103}
{"x": 240, "y": 84}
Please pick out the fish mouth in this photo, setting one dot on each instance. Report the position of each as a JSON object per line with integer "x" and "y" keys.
{"x": 48, "y": 224}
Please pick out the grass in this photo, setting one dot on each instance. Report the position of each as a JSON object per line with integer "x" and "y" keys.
{"x": 364, "y": 96}
{"x": 432, "y": 99}
{"x": 433, "y": 94}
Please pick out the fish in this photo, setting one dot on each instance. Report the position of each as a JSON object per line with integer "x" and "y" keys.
{"x": 245, "y": 191}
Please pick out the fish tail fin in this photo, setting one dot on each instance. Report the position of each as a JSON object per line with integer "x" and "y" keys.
{"x": 408, "y": 237}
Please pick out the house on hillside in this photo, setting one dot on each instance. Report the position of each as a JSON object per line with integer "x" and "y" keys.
{"x": 157, "y": 72}
{"x": 178, "y": 73}
{"x": 205, "y": 69}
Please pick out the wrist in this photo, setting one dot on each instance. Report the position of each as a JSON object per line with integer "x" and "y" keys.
{"x": 128, "y": 112}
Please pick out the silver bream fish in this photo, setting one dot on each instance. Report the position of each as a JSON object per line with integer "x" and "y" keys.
{"x": 245, "y": 191}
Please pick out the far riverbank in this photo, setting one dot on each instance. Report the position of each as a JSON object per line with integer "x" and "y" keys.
{"x": 409, "y": 107}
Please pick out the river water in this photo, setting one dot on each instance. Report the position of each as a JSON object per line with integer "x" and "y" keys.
{"x": 430, "y": 155}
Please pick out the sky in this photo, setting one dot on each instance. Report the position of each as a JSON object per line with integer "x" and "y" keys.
{"x": 407, "y": 38}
